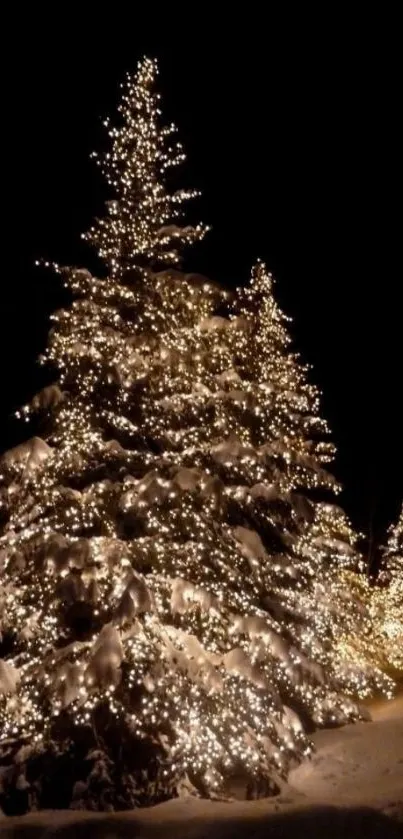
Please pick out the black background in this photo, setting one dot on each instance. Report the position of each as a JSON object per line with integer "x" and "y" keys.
{"x": 291, "y": 128}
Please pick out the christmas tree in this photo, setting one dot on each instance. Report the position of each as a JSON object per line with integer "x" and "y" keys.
{"x": 121, "y": 582}
{"x": 387, "y": 600}
{"x": 157, "y": 561}
{"x": 381, "y": 598}
{"x": 319, "y": 544}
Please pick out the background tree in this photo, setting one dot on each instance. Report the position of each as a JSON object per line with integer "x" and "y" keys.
{"x": 307, "y": 577}
{"x": 382, "y": 598}
{"x": 387, "y": 600}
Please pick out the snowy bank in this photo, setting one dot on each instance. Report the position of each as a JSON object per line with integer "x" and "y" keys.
{"x": 352, "y": 788}
{"x": 358, "y": 765}
{"x": 209, "y": 820}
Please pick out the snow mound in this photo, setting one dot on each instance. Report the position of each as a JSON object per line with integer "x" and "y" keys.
{"x": 250, "y": 543}
{"x": 136, "y": 597}
{"x": 47, "y": 398}
{"x": 353, "y": 787}
{"x": 29, "y": 454}
{"x": 196, "y": 819}
{"x": 106, "y": 658}
{"x": 186, "y": 596}
{"x": 232, "y": 450}
{"x": 9, "y": 677}
{"x": 360, "y": 764}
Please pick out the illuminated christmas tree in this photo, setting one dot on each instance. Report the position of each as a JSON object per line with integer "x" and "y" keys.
{"x": 387, "y": 600}
{"x": 382, "y": 598}
{"x": 306, "y": 580}
{"x": 122, "y": 584}
{"x": 158, "y": 541}
{"x": 393, "y": 553}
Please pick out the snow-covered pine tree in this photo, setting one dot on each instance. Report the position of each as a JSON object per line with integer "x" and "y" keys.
{"x": 134, "y": 655}
{"x": 306, "y": 580}
{"x": 148, "y": 531}
{"x": 392, "y": 566}
{"x": 382, "y": 598}
{"x": 387, "y": 600}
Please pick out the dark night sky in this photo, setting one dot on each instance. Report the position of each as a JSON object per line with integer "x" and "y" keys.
{"x": 293, "y": 138}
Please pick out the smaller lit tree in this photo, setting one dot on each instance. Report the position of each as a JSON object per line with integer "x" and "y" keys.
{"x": 305, "y": 582}
{"x": 383, "y": 642}
{"x": 387, "y": 601}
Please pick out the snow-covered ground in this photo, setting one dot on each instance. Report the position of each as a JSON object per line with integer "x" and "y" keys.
{"x": 360, "y": 764}
{"x": 352, "y": 787}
